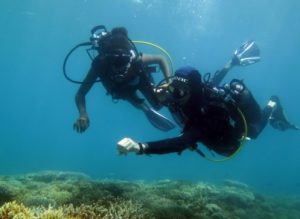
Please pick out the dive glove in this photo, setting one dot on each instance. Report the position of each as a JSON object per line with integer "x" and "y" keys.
{"x": 127, "y": 145}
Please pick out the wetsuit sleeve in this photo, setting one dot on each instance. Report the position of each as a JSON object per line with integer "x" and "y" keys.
{"x": 97, "y": 64}
{"x": 171, "y": 145}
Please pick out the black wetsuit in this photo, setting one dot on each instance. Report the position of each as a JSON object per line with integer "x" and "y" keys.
{"x": 213, "y": 120}
{"x": 138, "y": 78}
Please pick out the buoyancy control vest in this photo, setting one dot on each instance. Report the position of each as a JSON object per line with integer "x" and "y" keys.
{"x": 211, "y": 111}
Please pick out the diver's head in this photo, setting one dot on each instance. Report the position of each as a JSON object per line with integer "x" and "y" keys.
{"x": 175, "y": 93}
{"x": 117, "y": 39}
{"x": 119, "y": 62}
{"x": 186, "y": 83}
{"x": 120, "y": 30}
{"x": 119, "y": 53}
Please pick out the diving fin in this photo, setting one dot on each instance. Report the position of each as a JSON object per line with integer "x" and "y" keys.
{"x": 278, "y": 119}
{"x": 248, "y": 53}
{"x": 157, "y": 120}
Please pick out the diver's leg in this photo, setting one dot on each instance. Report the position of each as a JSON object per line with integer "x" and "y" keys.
{"x": 259, "y": 126}
{"x": 220, "y": 75}
{"x": 136, "y": 101}
{"x": 156, "y": 119}
{"x": 278, "y": 119}
{"x": 147, "y": 88}
{"x": 254, "y": 115}
{"x": 274, "y": 113}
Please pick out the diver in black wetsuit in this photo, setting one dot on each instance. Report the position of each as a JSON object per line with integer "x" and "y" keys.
{"x": 123, "y": 71}
{"x": 211, "y": 114}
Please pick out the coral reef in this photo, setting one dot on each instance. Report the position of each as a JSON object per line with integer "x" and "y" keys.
{"x": 13, "y": 210}
{"x": 118, "y": 209}
{"x": 67, "y": 195}
{"x": 6, "y": 193}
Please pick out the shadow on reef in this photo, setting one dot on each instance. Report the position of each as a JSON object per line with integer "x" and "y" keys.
{"x": 67, "y": 195}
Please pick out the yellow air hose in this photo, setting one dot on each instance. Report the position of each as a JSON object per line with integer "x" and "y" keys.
{"x": 158, "y": 47}
{"x": 244, "y": 137}
{"x": 243, "y": 140}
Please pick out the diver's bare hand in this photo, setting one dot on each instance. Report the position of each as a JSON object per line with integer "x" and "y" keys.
{"x": 81, "y": 124}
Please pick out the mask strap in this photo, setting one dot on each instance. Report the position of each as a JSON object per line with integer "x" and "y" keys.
{"x": 132, "y": 57}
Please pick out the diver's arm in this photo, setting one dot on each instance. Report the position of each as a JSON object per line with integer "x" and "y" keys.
{"x": 161, "y": 61}
{"x": 170, "y": 145}
{"x": 82, "y": 123}
{"x": 83, "y": 90}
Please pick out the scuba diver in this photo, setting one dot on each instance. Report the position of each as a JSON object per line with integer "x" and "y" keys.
{"x": 219, "y": 117}
{"x": 123, "y": 71}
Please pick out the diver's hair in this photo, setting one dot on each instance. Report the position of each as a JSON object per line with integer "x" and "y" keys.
{"x": 116, "y": 40}
{"x": 120, "y": 30}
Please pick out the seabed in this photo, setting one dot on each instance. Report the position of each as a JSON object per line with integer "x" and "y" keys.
{"x": 69, "y": 195}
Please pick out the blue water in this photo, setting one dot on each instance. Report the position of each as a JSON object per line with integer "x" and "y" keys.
{"x": 37, "y": 103}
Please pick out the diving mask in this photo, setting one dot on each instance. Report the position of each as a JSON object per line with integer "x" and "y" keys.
{"x": 175, "y": 93}
{"x": 97, "y": 33}
{"x": 120, "y": 63}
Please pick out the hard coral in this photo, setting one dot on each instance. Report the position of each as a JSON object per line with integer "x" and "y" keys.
{"x": 13, "y": 210}
{"x": 118, "y": 209}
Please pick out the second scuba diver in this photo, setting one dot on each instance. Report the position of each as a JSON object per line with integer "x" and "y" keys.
{"x": 220, "y": 117}
{"x": 123, "y": 71}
